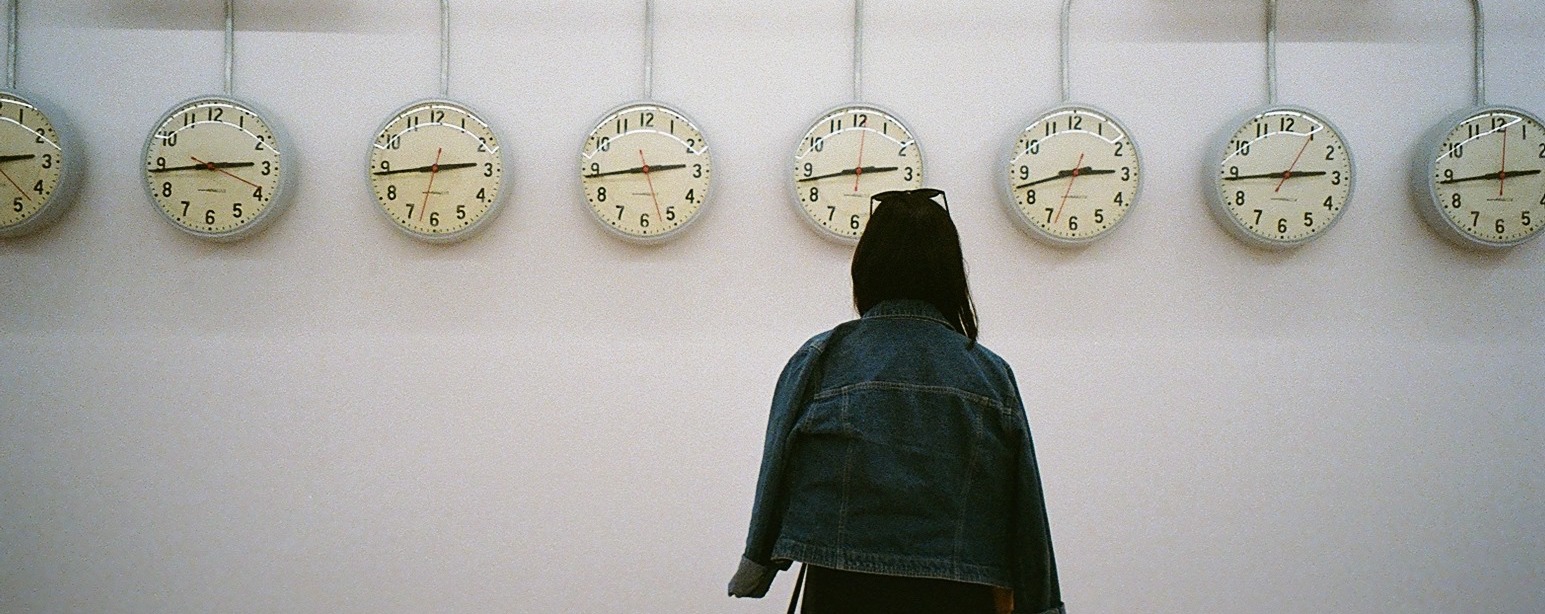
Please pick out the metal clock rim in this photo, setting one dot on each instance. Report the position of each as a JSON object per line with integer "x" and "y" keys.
{"x": 1215, "y": 195}
{"x": 494, "y": 207}
{"x": 922, "y": 170}
{"x": 1006, "y": 186}
{"x": 282, "y": 191}
{"x": 702, "y": 208}
{"x": 1431, "y": 210}
{"x": 64, "y": 194}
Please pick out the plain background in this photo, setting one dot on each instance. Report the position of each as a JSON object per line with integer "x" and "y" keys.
{"x": 332, "y": 417}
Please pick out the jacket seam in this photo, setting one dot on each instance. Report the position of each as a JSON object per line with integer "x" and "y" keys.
{"x": 883, "y": 385}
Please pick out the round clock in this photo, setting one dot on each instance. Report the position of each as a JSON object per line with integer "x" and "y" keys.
{"x": 1284, "y": 178}
{"x": 849, "y": 154}
{"x": 646, "y": 171}
{"x": 216, "y": 169}
{"x": 437, "y": 171}
{"x": 37, "y": 165}
{"x": 1072, "y": 175}
{"x": 1484, "y": 169}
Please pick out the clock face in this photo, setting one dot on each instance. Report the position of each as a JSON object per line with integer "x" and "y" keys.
{"x": 32, "y": 166}
{"x": 436, "y": 170}
{"x": 646, "y": 171}
{"x": 1487, "y": 178}
{"x": 1073, "y": 174}
{"x": 848, "y": 155}
{"x": 1285, "y": 177}
{"x": 214, "y": 168}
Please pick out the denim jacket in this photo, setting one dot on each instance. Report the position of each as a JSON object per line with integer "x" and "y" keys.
{"x": 897, "y": 446}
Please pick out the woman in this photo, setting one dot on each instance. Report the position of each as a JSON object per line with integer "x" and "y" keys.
{"x": 898, "y": 464}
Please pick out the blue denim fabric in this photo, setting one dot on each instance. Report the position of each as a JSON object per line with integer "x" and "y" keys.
{"x": 896, "y": 446}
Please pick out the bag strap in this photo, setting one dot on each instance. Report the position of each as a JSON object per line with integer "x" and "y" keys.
{"x": 799, "y": 585}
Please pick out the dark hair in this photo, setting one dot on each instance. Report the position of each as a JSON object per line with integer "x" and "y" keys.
{"x": 911, "y": 250}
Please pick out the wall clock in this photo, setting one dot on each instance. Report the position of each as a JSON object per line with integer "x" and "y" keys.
{"x": 645, "y": 167}
{"x": 1483, "y": 170}
{"x": 1074, "y": 171}
{"x": 215, "y": 167}
{"x": 436, "y": 167}
{"x": 850, "y": 153}
{"x": 1284, "y": 175}
{"x": 39, "y": 161}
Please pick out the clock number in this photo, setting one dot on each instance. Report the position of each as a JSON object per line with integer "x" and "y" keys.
{"x": 160, "y": 163}
{"x": 606, "y": 144}
{"x": 1448, "y": 174}
{"x": 817, "y": 144}
{"x": 1328, "y": 205}
{"x": 1456, "y": 151}
{"x": 258, "y": 193}
{"x": 1498, "y": 122}
{"x": 236, "y": 210}
{"x": 646, "y": 119}
{"x": 1024, "y": 173}
{"x": 461, "y": 211}
{"x": 1233, "y": 171}
{"x": 1476, "y": 219}
{"x": 1258, "y": 217}
{"x": 692, "y": 195}
{"x": 1335, "y": 177}
{"x": 815, "y": 194}
{"x": 40, "y": 138}
{"x": 903, "y": 152}
{"x": 436, "y": 116}
{"x": 643, "y": 220}
{"x": 488, "y": 169}
{"x": 1126, "y": 173}
{"x": 391, "y": 194}
{"x": 188, "y": 119}
{"x": 169, "y": 139}
{"x": 1049, "y": 211}
{"x": 215, "y": 113}
{"x": 853, "y": 222}
{"x": 1076, "y": 123}
{"x": 1099, "y": 216}
{"x": 1120, "y": 145}
{"x": 482, "y": 195}
{"x": 434, "y": 219}
{"x": 862, "y": 121}
{"x": 909, "y": 174}
{"x": 691, "y": 145}
{"x": 833, "y": 126}
{"x": 1473, "y": 129}
{"x": 1030, "y": 197}
{"x": 1121, "y": 199}
{"x": 38, "y": 187}
{"x": 395, "y": 142}
{"x": 1330, "y": 152}
{"x": 482, "y": 143}
{"x": 1261, "y": 130}
{"x": 1526, "y": 220}
{"x": 1035, "y": 147}
{"x": 1457, "y": 202}
{"x": 1051, "y": 128}
{"x": 166, "y": 189}
{"x": 622, "y": 125}
{"x": 1542, "y": 150}
{"x": 412, "y": 122}
{"x": 697, "y": 170}
{"x": 1287, "y": 124}
{"x": 670, "y": 214}
{"x": 185, "y": 205}
{"x": 386, "y": 166}
{"x": 809, "y": 169}
{"x": 1239, "y": 199}
{"x": 831, "y": 212}
{"x": 1282, "y": 225}
{"x": 1500, "y": 227}
{"x": 1542, "y": 200}
{"x": 268, "y": 167}
{"x": 600, "y": 195}
{"x": 595, "y": 168}
{"x": 1072, "y": 222}
{"x": 16, "y": 205}
{"x": 410, "y": 210}
{"x": 1308, "y": 219}
{"x": 209, "y": 217}
{"x": 620, "y": 209}
{"x": 261, "y": 142}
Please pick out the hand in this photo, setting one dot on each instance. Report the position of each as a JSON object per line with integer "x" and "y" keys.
{"x": 637, "y": 170}
{"x": 1286, "y": 175}
{"x": 1065, "y": 174}
{"x": 201, "y": 166}
{"x": 429, "y": 169}
{"x": 852, "y": 171}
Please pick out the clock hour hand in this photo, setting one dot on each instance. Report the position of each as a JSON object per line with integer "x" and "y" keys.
{"x": 428, "y": 169}
{"x": 852, "y": 171}
{"x": 4, "y": 159}
{"x": 1087, "y": 170}
{"x": 209, "y": 166}
{"x": 637, "y": 170}
{"x": 1490, "y": 176}
{"x": 1287, "y": 175}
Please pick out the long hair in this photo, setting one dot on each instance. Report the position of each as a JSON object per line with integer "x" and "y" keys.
{"x": 911, "y": 250}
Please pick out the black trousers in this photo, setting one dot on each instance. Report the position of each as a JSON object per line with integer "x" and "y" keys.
{"x": 833, "y": 591}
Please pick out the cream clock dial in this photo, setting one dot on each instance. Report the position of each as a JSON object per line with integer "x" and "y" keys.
{"x": 646, "y": 171}
{"x": 1072, "y": 175}
{"x": 1284, "y": 178}
{"x": 215, "y": 168}
{"x": 37, "y": 166}
{"x": 437, "y": 171}
{"x": 849, "y": 154}
{"x": 1485, "y": 176}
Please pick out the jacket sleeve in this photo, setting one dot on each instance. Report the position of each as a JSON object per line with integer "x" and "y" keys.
{"x": 1036, "y": 590}
{"x": 757, "y": 568}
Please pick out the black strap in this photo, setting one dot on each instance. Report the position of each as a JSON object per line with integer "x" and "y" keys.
{"x": 798, "y": 585}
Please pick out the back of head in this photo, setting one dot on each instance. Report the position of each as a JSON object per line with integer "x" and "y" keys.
{"x": 911, "y": 250}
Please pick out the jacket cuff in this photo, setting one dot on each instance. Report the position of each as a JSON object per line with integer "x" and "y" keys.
{"x": 752, "y": 579}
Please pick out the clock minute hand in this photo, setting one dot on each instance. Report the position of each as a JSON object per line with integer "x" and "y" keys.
{"x": 1490, "y": 176}
{"x": 4, "y": 159}
{"x": 852, "y": 171}
{"x": 1287, "y": 175}
{"x": 428, "y": 169}
{"x": 1087, "y": 170}
{"x": 203, "y": 167}
{"x": 638, "y": 170}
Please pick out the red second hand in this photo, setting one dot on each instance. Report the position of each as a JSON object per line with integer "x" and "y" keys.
{"x": 649, "y": 181}
{"x": 434, "y": 169}
{"x": 222, "y": 171}
{"x": 18, "y": 188}
{"x": 1289, "y": 171}
{"x": 1076, "y": 166}
{"x": 1502, "y": 174}
{"x": 858, "y": 171}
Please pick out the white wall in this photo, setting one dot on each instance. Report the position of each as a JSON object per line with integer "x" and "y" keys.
{"x": 330, "y": 417}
